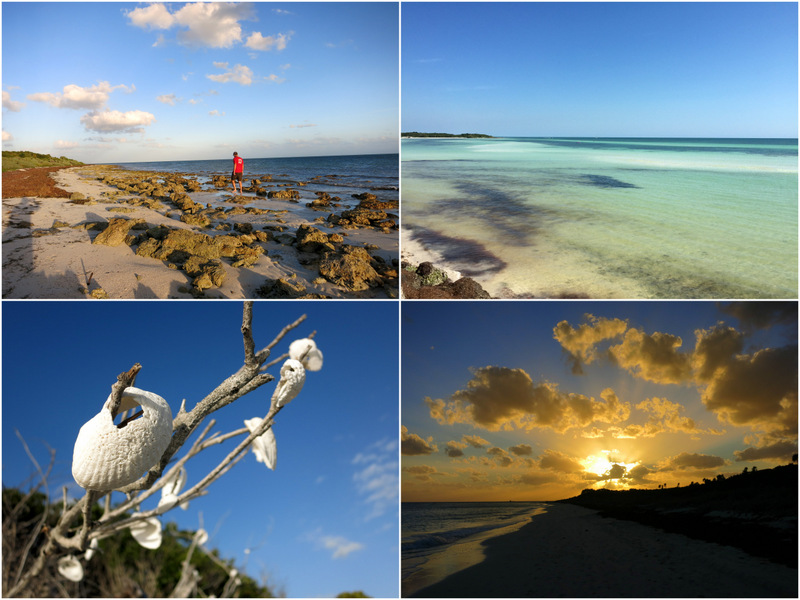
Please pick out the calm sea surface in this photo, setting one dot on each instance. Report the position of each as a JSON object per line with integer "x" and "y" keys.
{"x": 352, "y": 173}
{"x": 609, "y": 218}
{"x": 441, "y": 538}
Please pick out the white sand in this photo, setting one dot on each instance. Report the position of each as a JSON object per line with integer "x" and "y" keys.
{"x": 56, "y": 265}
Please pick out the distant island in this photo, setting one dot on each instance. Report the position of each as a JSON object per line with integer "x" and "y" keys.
{"x": 416, "y": 134}
{"x": 15, "y": 160}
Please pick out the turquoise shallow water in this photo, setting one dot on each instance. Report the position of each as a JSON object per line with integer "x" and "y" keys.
{"x": 608, "y": 218}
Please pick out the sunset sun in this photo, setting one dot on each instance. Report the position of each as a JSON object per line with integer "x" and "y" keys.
{"x": 603, "y": 465}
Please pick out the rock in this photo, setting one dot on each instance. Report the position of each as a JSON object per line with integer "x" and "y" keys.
{"x": 247, "y": 256}
{"x": 350, "y": 271}
{"x": 284, "y": 194}
{"x": 414, "y": 287}
{"x": 57, "y": 224}
{"x": 281, "y": 288}
{"x": 207, "y": 274}
{"x": 243, "y": 227}
{"x": 310, "y": 239}
{"x": 365, "y": 196}
{"x": 77, "y": 196}
{"x": 100, "y": 294}
{"x": 116, "y": 232}
{"x": 201, "y": 220}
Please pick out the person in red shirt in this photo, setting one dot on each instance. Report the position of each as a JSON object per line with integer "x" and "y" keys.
{"x": 238, "y": 171}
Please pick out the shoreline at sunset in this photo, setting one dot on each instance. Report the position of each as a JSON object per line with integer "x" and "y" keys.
{"x": 556, "y": 555}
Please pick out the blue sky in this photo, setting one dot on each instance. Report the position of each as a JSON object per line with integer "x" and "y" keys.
{"x": 681, "y": 69}
{"x": 103, "y": 82}
{"x": 335, "y": 488}
{"x": 530, "y": 400}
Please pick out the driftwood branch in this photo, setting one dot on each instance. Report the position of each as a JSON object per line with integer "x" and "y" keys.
{"x": 248, "y": 378}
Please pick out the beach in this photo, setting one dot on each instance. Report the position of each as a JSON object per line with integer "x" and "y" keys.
{"x": 606, "y": 218}
{"x": 570, "y": 551}
{"x": 172, "y": 235}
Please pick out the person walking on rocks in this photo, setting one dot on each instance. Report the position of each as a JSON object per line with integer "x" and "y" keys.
{"x": 238, "y": 171}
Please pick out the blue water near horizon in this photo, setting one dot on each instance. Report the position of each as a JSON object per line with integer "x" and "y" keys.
{"x": 438, "y": 538}
{"x": 608, "y": 217}
{"x": 377, "y": 171}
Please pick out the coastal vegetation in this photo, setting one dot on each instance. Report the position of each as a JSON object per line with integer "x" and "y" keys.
{"x": 416, "y": 134}
{"x": 14, "y": 160}
{"x": 120, "y": 567}
{"x": 755, "y": 510}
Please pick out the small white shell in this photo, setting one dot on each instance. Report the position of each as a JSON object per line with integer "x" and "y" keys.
{"x": 70, "y": 567}
{"x": 313, "y": 359}
{"x": 91, "y": 549}
{"x": 293, "y": 376}
{"x": 147, "y": 532}
{"x": 108, "y": 458}
{"x": 264, "y": 446}
{"x": 172, "y": 488}
{"x": 201, "y": 536}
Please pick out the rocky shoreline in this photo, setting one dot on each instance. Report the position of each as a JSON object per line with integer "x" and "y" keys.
{"x": 278, "y": 240}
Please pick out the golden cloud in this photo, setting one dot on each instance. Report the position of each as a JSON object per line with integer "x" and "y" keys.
{"x": 653, "y": 357}
{"x": 759, "y": 390}
{"x": 503, "y": 398}
{"x": 579, "y": 343}
{"x": 412, "y": 445}
{"x": 685, "y": 460}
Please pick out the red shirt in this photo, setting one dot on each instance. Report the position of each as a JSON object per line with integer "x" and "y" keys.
{"x": 238, "y": 164}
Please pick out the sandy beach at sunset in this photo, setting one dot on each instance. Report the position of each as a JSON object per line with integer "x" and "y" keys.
{"x": 50, "y": 246}
{"x": 570, "y": 551}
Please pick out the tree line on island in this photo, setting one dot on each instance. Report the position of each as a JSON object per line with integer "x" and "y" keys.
{"x": 416, "y": 134}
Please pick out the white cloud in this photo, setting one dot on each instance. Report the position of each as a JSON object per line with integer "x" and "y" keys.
{"x": 238, "y": 74}
{"x": 256, "y": 41}
{"x": 303, "y": 125}
{"x": 153, "y": 16}
{"x": 341, "y": 546}
{"x": 274, "y": 78}
{"x": 195, "y": 101}
{"x": 213, "y": 24}
{"x": 10, "y": 104}
{"x": 170, "y": 99}
{"x": 65, "y": 145}
{"x": 377, "y": 480}
{"x": 132, "y": 121}
{"x": 285, "y": 67}
{"x": 77, "y": 97}
{"x": 216, "y": 113}
{"x": 7, "y": 137}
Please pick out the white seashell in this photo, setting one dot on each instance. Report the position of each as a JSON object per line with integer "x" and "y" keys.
{"x": 91, "y": 550}
{"x": 70, "y": 567}
{"x": 313, "y": 359}
{"x": 107, "y": 457}
{"x": 171, "y": 490}
{"x": 201, "y": 536}
{"x": 147, "y": 532}
{"x": 293, "y": 376}
{"x": 264, "y": 446}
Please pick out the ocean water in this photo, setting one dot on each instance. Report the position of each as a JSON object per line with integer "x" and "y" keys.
{"x": 608, "y": 218}
{"x": 378, "y": 172}
{"x": 441, "y": 538}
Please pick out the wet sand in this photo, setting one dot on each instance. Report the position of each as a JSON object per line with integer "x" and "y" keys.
{"x": 571, "y": 551}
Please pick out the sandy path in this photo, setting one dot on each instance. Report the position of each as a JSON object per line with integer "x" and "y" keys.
{"x": 570, "y": 551}
{"x": 56, "y": 262}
